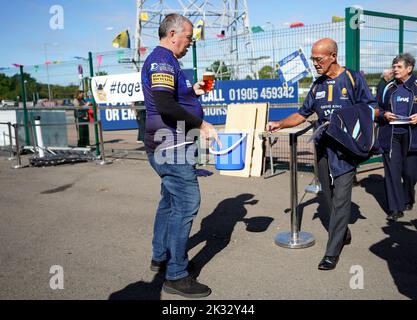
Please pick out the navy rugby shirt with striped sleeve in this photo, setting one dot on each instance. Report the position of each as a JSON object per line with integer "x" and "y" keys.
{"x": 328, "y": 95}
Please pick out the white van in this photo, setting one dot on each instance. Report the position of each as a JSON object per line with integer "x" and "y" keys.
{"x": 8, "y": 103}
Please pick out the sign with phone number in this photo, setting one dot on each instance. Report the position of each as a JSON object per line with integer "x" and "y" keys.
{"x": 251, "y": 91}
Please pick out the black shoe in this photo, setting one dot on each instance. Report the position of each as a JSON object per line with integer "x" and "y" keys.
{"x": 161, "y": 266}
{"x": 187, "y": 287}
{"x": 395, "y": 215}
{"x": 408, "y": 207}
{"x": 328, "y": 263}
{"x": 348, "y": 238}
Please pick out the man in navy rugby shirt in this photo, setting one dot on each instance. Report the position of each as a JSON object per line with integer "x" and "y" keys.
{"x": 336, "y": 88}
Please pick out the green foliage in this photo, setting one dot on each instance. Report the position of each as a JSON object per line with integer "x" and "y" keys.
{"x": 222, "y": 70}
{"x": 267, "y": 72}
{"x": 10, "y": 88}
{"x": 101, "y": 73}
{"x": 373, "y": 78}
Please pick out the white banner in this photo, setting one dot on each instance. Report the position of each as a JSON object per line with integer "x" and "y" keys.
{"x": 122, "y": 88}
{"x": 293, "y": 68}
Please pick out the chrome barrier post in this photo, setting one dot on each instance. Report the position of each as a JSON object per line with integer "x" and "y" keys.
{"x": 271, "y": 158}
{"x": 19, "y": 160}
{"x": 294, "y": 239}
{"x": 9, "y": 125}
{"x": 32, "y": 137}
{"x": 102, "y": 154}
{"x": 39, "y": 139}
{"x": 272, "y": 140}
{"x": 315, "y": 186}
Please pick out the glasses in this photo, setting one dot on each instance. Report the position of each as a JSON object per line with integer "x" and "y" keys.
{"x": 319, "y": 60}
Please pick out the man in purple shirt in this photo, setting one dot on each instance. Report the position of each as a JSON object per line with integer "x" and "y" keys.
{"x": 174, "y": 119}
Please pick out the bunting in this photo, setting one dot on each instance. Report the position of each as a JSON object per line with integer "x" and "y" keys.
{"x": 199, "y": 30}
{"x": 257, "y": 29}
{"x": 122, "y": 40}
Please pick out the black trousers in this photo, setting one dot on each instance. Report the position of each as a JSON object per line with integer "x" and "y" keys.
{"x": 400, "y": 174}
{"x": 338, "y": 201}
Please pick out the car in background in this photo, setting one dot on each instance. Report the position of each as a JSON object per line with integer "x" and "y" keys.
{"x": 8, "y": 103}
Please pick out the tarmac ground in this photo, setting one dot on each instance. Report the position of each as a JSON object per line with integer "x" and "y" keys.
{"x": 93, "y": 224}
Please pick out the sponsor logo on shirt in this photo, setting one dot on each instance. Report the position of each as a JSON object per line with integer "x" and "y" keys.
{"x": 163, "y": 80}
{"x": 189, "y": 85}
{"x": 320, "y": 95}
{"x": 402, "y": 99}
{"x": 331, "y": 82}
{"x": 163, "y": 67}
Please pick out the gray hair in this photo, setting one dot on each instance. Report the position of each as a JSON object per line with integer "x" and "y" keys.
{"x": 172, "y": 21}
{"x": 407, "y": 58}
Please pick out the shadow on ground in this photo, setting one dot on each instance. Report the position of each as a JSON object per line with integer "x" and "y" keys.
{"x": 399, "y": 251}
{"x": 215, "y": 231}
{"x": 323, "y": 212}
{"x": 374, "y": 185}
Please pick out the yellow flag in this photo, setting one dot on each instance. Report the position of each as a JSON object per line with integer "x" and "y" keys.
{"x": 122, "y": 40}
{"x": 337, "y": 19}
{"x": 144, "y": 16}
{"x": 199, "y": 30}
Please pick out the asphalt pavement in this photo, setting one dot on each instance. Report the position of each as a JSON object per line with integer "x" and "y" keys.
{"x": 84, "y": 231}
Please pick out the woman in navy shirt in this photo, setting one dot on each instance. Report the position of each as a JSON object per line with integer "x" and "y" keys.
{"x": 398, "y": 137}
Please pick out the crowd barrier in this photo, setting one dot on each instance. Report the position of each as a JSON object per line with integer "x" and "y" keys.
{"x": 51, "y": 154}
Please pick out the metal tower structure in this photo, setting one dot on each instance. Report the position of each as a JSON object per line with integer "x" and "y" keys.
{"x": 227, "y": 18}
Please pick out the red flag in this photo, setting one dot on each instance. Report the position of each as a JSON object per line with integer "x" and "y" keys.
{"x": 99, "y": 60}
{"x": 142, "y": 51}
{"x": 296, "y": 24}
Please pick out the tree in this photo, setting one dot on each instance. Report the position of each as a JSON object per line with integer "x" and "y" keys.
{"x": 10, "y": 88}
{"x": 267, "y": 72}
{"x": 101, "y": 73}
{"x": 222, "y": 71}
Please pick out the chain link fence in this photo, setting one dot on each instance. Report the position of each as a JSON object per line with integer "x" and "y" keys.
{"x": 380, "y": 38}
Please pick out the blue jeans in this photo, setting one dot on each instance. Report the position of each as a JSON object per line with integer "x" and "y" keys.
{"x": 179, "y": 204}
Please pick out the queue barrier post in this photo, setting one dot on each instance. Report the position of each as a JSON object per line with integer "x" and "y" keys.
{"x": 295, "y": 239}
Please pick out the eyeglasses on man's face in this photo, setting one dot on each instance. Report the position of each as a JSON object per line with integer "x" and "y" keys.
{"x": 320, "y": 60}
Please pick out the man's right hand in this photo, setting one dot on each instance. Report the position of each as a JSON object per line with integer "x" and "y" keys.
{"x": 273, "y": 126}
{"x": 207, "y": 132}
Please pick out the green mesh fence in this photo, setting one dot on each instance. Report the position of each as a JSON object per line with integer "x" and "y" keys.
{"x": 379, "y": 38}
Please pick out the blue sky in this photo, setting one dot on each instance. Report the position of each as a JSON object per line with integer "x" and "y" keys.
{"x": 25, "y": 23}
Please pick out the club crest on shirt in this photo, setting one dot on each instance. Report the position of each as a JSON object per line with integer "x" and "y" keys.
{"x": 154, "y": 67}
{"x": 344, "y": 94}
